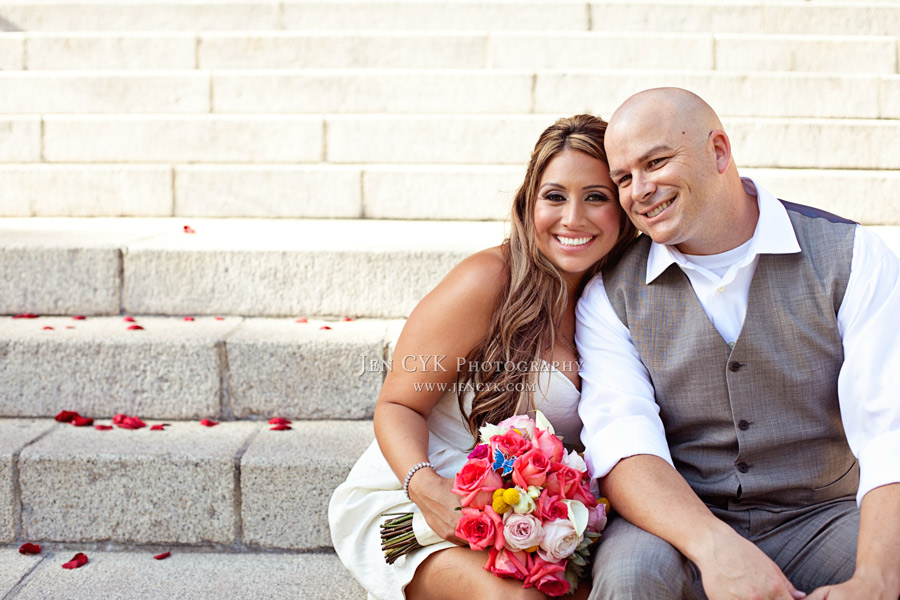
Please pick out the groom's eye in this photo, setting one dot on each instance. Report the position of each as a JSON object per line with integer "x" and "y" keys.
{"x": 623, "y": 181}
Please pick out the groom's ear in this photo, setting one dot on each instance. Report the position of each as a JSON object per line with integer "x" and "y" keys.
{"x": 721, "y": 147}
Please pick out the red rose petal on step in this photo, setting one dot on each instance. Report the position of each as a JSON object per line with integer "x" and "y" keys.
{"x": 302, "y": 320}
{"x": 220, "y": 318}
{"x": 128, "y": 319}
{"x": 118, "y": 419}
{"x": 135, "y": 327}
{"x": 29, "y": 548}
{"x": 48, "y": 328}
{"x": 159, "y": 426}
{"x": 69, "y": 327}
{"x": 103, "y": 427}
{"x": 66, "y": 416}
{"x": 132, "y": 423}
{"x": 208, "y": 423}
{"x": 79, "y": 560}
{"x": 26, "y": 316}
{"x": 80, "y": 421}
{"x": 324, "y": 327}
{"x": 279, "y": 421}
{"x": 280, "y": 427}
{"x": 79, "y": 318}
{"x": 189, "y": 229}
{"x": 189, "y": 318}
{"x": 348, "y": 319}
{"x": 163, "y": 556}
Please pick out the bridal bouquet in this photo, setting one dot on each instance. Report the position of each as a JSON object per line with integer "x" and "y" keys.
{"x": 527, "y": 502}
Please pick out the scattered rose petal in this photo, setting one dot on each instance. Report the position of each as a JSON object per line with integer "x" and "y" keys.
{"x": 189, "y": 318}
{"x": 208, "y": 423}
{"x": 66, "y": 416}
{"x": 79, "y": 560}
{"x": 127, "y": 422}
{"x": 302, "y": 320}
{"x": 324, "y": 327}
{"x": 128, "y": 319}
{"x": 29, "y": 548}
{"x": 163, "y": 556}
{"x": 26, "y": 316}
{"x": 80, "y": 421}
{"x": 103, "y": 427}
{"x": 70, "y": 327}
{"x": 48, "y": 328}
{"x": 348, "y": 319}
{"x": 279, "y": 421}
{"x": 79, "y": 318}
{"x": 159, "y": 426}
{"x": 220, "y": 318}
{"x": 189, "y": 229}
{"x": 135, "y": 327}
{"x": 281, "y": 427}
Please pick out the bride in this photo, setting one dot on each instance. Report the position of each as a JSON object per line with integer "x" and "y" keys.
{"x": 512, "y": 307}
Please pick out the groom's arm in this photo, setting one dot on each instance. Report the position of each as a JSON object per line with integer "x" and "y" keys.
{"x": 625, "y": 446}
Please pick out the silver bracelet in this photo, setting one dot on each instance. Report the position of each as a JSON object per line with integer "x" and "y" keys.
{"x": 412, "y": 472}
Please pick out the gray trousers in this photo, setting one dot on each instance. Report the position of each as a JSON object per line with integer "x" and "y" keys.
{"x": 814, "y": 546}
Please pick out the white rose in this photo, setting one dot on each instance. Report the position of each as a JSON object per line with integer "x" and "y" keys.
{"x": 573, "y": 460}
{"x": 559, "y": 542}
{"x": 525, "y": 505}
{"x": 521, "y": 531}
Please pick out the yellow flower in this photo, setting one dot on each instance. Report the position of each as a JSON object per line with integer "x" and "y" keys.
{"x": 499, "y": 505}
{"x": 511, "y": 496}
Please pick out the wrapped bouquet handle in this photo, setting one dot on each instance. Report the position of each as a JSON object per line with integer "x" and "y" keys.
{"x": 402, "y": 533}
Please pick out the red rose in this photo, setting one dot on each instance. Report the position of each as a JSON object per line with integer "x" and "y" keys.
{"x": 481, "y": 529}
{"x": 476, "y": 483}
{"x": 550, "y": 507}
{"x": 511, "y": 443}
{"x": 531, "y": 469}
{"x": 504, "y": 563}
{"x": 563, "y": 481}
{"x": 551, "y": 445}
{"x": 548, "y": 577}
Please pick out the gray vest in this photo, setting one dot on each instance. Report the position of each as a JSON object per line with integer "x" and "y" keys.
{"x": 758, "y": 423}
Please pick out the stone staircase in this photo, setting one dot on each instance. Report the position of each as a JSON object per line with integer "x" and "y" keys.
{"x": 293, "y": 177}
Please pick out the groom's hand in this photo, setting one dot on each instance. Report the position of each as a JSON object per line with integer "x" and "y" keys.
{"x": 735, "y": 569}
{"x": 858, "y": 586}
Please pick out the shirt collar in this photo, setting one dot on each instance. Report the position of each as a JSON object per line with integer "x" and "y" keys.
{"x": 774, "y": 234}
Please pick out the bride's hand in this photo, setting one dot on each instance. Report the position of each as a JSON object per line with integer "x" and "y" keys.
{"x": 438, "y": 504}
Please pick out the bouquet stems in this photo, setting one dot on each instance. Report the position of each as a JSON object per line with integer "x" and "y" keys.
{"x": 397, "y": 536}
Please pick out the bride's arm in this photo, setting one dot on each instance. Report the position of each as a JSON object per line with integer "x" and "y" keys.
{"x": 447, "y": 323}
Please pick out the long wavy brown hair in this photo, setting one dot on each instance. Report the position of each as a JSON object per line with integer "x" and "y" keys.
{"x": 524, "y": 326}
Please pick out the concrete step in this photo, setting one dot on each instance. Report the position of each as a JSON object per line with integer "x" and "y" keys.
{"x": 253, "y": 268}
{"x": 234, "y": 487}
{"x": 188, "y": 575}
{"x": 429, "y": 192}
{"x": 451, "y": 50}
{"x": 872, "y": 17}
{"x": 229, "y": 267}
{"x": 397, "y": 139}
{"x": 177, "y": 369}
{"x": 739, "y": 93}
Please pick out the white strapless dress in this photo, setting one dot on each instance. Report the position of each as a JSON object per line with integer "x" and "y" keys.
{"x": 358, "y": 505}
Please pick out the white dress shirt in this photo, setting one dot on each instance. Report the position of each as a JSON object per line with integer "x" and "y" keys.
{"x": 618, "y": 408}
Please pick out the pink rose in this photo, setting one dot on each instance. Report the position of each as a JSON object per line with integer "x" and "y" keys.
{"x": 480, "y": 451}
{"x": 596, "y": 518}
{"x": 549, "y": 444}
{"x": 531, "y": 469}
{"x": 562, "y": 480}
{"x": 476, "y": 483}
{"x": 481, "y": 529}
{"x": 583, "y": 494}
{"x": 510, "y": 443}
{"x": 549, "y": 507}
{"x": 560, "y": 540}
{"x": 504, "y": 563}
{"x": 521, "y": 531}
{"x": 548, "y": 577}
{"x": 520, "y": 422}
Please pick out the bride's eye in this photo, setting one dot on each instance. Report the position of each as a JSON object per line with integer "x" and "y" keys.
{"x": 554, "y": 197}
{"x": 597, "y": 198}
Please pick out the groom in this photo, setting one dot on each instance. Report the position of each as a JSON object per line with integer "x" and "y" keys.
{"x": 741, "y": 380}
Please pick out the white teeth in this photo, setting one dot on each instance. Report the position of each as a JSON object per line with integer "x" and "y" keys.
{"x": 659, "y": 209}
{"x": 574, "y": 241}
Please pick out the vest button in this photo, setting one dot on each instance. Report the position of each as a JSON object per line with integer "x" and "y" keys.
{"x": 735, "y": 366}
{"x": 743, "y": 425}
{"x": 743, "y": 467}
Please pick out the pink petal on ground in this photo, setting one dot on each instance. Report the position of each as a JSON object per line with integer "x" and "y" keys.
{"x": 348, "y": 319}
{"x": 281, "y": 427}
{"x": 69, "y": 327}
{"x": 79, "y": 560}
{"x": 279, "y": 421}
{"x": 159, "y": 426}
{"x": 48, "y": 328}
{"x": 189, "y": 318}
{"x": 163, "y": 556}
{"x": 26, "y": 316}
{"x": 135, "y": 327}
{"x": 324, "y": 327}
{"x": 189, "y": 229}
{"x": 208, "y": 423}
{"x": 103, "y": 427}
{"x": 220, "y": 318}
{"x": 80, "y": 421}
{"x": 79, "y": 318}
{"x": 128, "y": 319}
{"x": 29, "y": 548}
{"x": 302, "y": 320}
